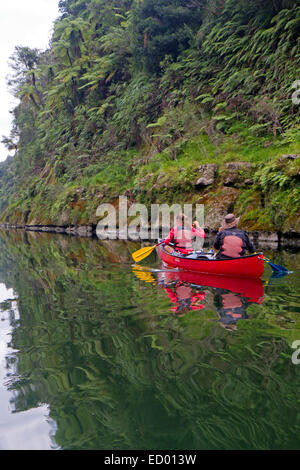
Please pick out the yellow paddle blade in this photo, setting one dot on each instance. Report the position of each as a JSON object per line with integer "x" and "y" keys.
{"x": 143, "y": 275}
{"x": 142, "y": 253}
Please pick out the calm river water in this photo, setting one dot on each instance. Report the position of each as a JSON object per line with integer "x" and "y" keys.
{"x": 97, "y": 354}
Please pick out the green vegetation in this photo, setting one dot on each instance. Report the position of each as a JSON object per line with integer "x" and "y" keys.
{"x": 132, "y": 96}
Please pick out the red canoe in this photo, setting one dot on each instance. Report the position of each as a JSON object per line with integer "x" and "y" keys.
{"x": 251, "y": 266}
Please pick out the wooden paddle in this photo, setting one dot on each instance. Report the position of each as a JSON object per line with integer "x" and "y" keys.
{"x": 143, "y": 252}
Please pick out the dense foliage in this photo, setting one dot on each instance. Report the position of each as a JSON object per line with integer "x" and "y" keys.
{"x": 146, "y": 75}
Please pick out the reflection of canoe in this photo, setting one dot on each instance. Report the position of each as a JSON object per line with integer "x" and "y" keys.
{"x": 247, "y": 266}
{"x": 252, "y": 289}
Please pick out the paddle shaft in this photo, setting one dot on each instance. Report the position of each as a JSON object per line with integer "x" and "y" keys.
{"x": 275, "y": 267}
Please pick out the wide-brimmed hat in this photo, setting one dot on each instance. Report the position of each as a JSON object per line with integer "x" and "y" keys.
{"x": 230, "y": 221}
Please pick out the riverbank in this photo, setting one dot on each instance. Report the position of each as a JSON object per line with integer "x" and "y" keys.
{"x": 258, "y": 183}
{"x": 261, "y": 239}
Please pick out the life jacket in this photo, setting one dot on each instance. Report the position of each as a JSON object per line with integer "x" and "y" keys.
{"x": 183, "y": 292}
{"x": 232, "y": 246}
{"x": 183, "y": 238}
{"x": 231, "y": 301}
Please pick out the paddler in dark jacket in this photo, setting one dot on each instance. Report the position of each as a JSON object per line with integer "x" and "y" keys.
{"x": 231, "y": 241}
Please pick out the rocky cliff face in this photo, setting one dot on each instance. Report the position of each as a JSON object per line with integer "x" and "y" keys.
{"x": 265, "y": 197}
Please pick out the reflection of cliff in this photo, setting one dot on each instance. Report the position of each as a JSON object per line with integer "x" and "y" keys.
{"x": 100, "y": 347}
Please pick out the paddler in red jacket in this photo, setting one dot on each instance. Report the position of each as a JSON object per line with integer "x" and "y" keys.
{"x": 183, "y": 234}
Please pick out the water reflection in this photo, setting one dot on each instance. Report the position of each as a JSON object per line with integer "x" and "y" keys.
{"x": 98, "y": 357}
{"x": 187, "y": 291}
{"x": 32, "y": 429}
{"x": 184, "y": 297}
{"x": 231, "y": 308}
